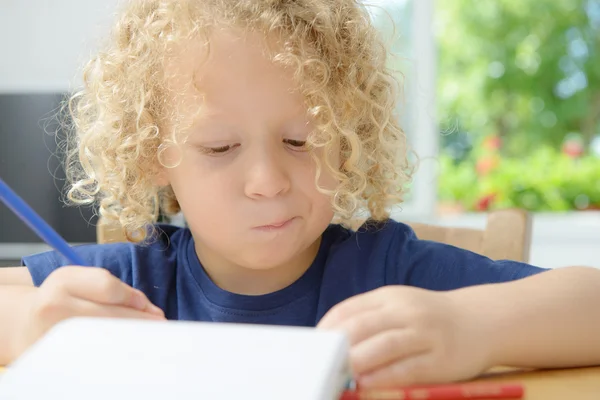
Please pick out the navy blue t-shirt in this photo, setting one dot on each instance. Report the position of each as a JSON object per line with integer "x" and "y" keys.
{"x": 348, "y": 263}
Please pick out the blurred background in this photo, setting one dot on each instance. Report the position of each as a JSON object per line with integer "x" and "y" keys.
{"x": 501, "y": 104}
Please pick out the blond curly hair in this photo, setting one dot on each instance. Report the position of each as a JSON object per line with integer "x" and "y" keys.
{"x": 339, "y": 63}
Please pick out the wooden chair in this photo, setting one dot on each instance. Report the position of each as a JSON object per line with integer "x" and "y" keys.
{"x": 507, "y": 235}
{"x": 108, "y": 233}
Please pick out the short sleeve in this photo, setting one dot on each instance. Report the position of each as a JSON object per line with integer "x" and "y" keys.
{"x": 437, "y": 266}
{"x": 115, "y": 257}
{"x": 138, "y": 265}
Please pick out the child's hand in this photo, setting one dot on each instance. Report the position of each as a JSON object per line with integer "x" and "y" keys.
{"x": 405, "y": 336}
{"x": 77, "y": 292}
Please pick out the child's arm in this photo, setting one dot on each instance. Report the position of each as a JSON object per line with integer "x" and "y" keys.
{"x": 15, "y": 276}
{"x": 13, "y": 300}
{"x": 403, "y": 335}
{"x": 547, "y": 320}
{"x": 27, "y": 312}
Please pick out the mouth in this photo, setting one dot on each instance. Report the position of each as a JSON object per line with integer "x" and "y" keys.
{"x": 278, "y": 225}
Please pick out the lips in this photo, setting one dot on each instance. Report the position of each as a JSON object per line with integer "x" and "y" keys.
{"x": 277, "y": 224}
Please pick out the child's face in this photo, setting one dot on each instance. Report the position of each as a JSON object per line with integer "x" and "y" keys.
{"x": 245, "y": 183}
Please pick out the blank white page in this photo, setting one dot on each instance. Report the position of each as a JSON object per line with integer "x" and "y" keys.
{"x": 100, "y": 359}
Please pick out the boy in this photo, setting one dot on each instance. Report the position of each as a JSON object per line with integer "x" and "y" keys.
{"x": 262, "y": 120}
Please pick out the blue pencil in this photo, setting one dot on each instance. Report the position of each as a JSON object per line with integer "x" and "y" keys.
{"x": 37, "y": 224}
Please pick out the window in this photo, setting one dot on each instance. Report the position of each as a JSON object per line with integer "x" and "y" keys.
{"x": 409, "y": 24}
{"x": 519, "y": 104}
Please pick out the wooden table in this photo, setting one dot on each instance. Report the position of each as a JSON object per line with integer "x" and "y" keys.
{"x": 560, "y": 384}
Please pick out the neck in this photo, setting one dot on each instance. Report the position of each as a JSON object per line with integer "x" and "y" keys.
{"x": 239, "y": 279}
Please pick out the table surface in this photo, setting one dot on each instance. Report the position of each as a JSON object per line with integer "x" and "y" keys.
{"x": 558, "y": 384}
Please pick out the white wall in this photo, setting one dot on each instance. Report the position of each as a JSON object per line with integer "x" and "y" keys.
{"x": 43, "y": 43}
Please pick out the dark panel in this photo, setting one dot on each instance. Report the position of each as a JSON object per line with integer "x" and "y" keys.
{"x": 31, "y": 164}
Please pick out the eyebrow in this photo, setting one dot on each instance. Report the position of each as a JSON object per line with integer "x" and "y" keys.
{"x": 199, "y": 130}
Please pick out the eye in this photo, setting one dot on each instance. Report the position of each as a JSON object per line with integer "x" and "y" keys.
{"x": 297, "y": 145}
{"x": 218, "y": 150}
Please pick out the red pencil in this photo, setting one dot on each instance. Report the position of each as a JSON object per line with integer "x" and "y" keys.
{"x": 470, "y": 391}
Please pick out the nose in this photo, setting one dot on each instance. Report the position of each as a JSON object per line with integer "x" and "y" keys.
{"x": 266, "y": 175}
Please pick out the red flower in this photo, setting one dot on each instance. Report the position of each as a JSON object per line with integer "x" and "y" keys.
{"x": 572, "y": 148}
{"x": 492, "y": 143}
{"x": 485, "y": 165}
{"x": 484, "y": 203}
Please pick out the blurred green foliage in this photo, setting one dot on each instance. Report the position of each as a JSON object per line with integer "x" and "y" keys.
{"x": 524, "y": 75}
{"x": 526, "y": 71}
{"x": 518, "y": 99}
{"x": 546, "y": 180}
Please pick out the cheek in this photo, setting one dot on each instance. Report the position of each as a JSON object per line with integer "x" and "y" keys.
{"x": 207, "y": 207}
{"x": 195, "y": 187}
{"x": 202, "y": 195}
{"x": 327, "y": 179}
{"x": 321, "y": 203}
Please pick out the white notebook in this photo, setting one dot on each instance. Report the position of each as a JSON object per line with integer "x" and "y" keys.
{"x": 100, "y": 359}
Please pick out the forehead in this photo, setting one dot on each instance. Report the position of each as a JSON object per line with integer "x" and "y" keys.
{"x": 232, "y": 71}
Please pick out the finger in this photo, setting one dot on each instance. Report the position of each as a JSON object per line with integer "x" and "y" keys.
{"x": 385, "y": 348}
{"x": 350, "y": 307}
{"x": 85, "y": 308}
{"x": 100, "y": 286}
{"x": 369, "y": 323}
{"x": 417, "y": 370}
